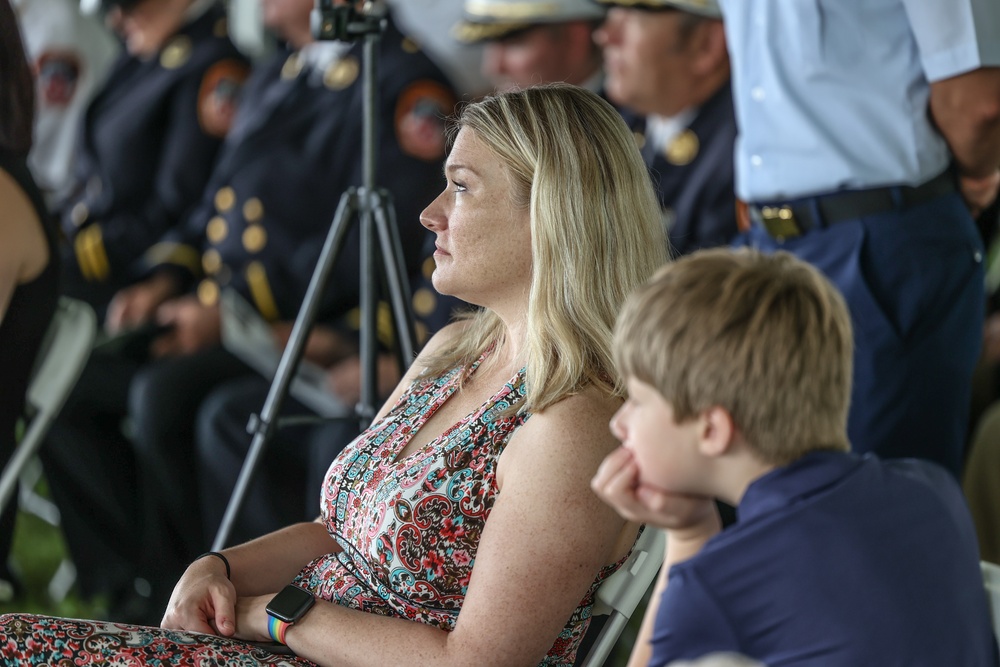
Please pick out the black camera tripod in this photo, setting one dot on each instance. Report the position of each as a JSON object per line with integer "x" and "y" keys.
{"x": 369, "y": 206}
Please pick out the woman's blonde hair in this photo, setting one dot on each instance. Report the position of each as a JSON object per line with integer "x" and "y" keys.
{"x": 595, "y": 233}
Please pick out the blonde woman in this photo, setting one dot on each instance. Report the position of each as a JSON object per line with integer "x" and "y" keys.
{"x": 460, "y": 528}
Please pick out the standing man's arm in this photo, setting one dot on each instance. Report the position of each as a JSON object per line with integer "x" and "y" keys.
{"x": 966, "y": 109}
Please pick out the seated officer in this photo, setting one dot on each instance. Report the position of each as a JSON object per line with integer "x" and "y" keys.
{"x": 148, "y": 138}
{"x": 294, "y": 148}
{"x": 666, "y": 60}
{"x": 544, "y": 42}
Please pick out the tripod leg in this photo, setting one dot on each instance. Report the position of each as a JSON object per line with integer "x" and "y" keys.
{"x": 395, "y": 270}
{"x": 264, "y": 425}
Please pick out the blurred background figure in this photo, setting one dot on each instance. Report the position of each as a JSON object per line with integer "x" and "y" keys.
{"x": 29, "y": 266}
{"x": 667, "y": 64}
{"x": 423, "y": 22}
{"x": 148, "y": 139}
{"x": 534, "y": 42}
{"x": 294, "y": 148}
{"x": 70, "y": 54}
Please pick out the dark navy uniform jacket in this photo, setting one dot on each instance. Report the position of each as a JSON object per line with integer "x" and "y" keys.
{"x": 294, "y": 148}
{"x": 694, "y": 176}
{"x": 147, "y": 146}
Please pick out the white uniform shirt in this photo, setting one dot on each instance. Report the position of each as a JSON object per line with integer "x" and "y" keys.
{"x": 833, "y": 94}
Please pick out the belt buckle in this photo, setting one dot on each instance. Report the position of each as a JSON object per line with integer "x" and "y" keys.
{"x": 780, "y": 222}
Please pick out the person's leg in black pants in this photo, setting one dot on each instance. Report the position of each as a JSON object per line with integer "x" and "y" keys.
{"x": 93, "y": 479}
{"x": 287, "y": 483}
{"x": 163, "y": 402}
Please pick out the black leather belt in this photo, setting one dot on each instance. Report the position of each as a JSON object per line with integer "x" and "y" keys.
{"x": 785, "y": 220}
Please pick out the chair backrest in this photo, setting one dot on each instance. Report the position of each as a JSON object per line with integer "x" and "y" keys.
{"x": 991, "y": 580}
{"x": 621, "y": 593}
{"x": 61, "y": 358}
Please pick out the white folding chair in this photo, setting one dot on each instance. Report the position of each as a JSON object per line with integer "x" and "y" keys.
{"x": 620, "y": 593}
{"x": 991, "y": 580}
{"x": 60, "y": 361}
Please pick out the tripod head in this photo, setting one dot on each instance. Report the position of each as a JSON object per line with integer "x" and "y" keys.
{"x": 331, "y": 20}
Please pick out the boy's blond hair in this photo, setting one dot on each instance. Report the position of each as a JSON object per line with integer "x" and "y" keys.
{"x": 766, "y": 337}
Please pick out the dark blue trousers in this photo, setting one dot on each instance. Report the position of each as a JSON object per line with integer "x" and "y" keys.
{"x": 913, "y": 280}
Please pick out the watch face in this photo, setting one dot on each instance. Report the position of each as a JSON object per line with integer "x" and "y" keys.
{"x": 290, "y": 604}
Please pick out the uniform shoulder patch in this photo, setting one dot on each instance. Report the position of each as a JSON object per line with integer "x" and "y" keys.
{"x": 218, "y": 96}
{"x": 420, "y": 119}
{"x": 58, "y": 74}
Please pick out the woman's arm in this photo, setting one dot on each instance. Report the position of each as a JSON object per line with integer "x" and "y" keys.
{"x": 24, "y": 252}
{"x": 204, "y": 600}
{"x": 546, "y": 539}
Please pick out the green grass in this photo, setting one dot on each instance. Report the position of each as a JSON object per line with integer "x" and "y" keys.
{"x": 37, "y": 552}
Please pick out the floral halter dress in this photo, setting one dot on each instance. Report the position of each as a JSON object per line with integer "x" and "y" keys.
{"x": 409, "y": 530}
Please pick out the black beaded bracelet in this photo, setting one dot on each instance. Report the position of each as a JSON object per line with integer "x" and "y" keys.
{"x": 220, "y": 556}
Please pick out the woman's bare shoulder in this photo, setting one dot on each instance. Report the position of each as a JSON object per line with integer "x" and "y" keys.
{"x": 577, "y": 425}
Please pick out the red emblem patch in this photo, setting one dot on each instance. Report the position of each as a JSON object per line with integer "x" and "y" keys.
{"x": 219, "y": 95}
{"x": 58, "y": 74}
{"x": 420, "y": 116}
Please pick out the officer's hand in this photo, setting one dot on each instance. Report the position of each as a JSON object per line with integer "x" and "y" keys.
{"x": 979, "y": 192}
{"x": 135, "y": 305}
{"x": 193, "y": 327}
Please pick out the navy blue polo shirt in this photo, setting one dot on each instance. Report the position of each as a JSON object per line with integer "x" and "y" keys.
{"x": 837, "y": 559}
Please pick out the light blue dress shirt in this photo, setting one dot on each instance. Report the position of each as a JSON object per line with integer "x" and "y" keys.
{"x": 833, "y": 94}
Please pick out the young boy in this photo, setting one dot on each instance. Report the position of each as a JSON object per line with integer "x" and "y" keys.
{"x": 739, "y": 375}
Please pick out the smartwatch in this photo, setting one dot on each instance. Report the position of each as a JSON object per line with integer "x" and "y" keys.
{"x": 285, "y": 608}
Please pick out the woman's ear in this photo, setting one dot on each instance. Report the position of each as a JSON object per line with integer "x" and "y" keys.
{"x": 717, "y": 432}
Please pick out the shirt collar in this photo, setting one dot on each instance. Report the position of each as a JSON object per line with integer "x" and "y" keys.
{"x": 783, "y": 487}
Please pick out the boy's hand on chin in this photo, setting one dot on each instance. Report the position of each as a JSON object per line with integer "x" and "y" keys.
{"x": 617, "y": 483}
{"x": 687, "y": 517}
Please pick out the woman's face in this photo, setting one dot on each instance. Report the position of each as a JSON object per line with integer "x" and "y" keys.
{"x": 483, "y": 244}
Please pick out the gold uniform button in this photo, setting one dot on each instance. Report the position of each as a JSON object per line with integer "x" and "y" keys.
{"x": 424, "y": 302}
{"x": 254, "y": 239}
{"x": 217, "y": 229}
{"x": 221, "y": 28}
{"x": 79, "y": 214}
{"x": 224, "y": 199}
{"x": 410, "y": 46}
{"x": 292, "y": 67}
{"x": 683, "y": 148}
{"x": 176, "y": 53}
{"x": 341, "y": 74}
{"x": 211, "y": 261}
{"x": 208, "y": 293}
{"x": 253, "y": 210}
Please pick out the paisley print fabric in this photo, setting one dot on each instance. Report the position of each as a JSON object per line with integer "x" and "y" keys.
{"x": 409, "y": 529}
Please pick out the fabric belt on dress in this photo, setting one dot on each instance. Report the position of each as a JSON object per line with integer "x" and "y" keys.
{"x": 785, "y": 220}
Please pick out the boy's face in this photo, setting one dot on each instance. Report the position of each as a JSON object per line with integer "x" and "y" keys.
{"x": 665, "y": 451}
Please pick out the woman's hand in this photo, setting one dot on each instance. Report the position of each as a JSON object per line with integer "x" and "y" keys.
{"x": 204, "y": 600}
